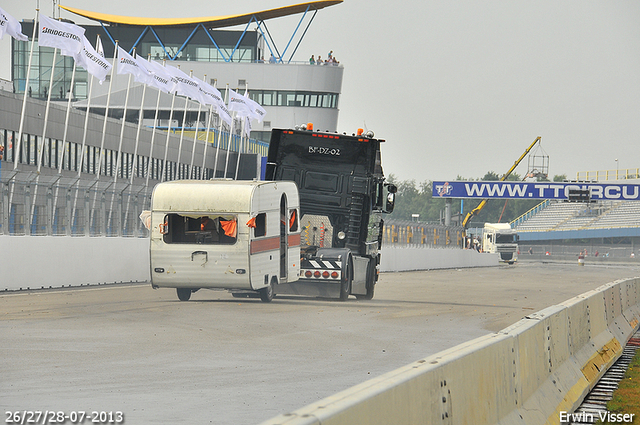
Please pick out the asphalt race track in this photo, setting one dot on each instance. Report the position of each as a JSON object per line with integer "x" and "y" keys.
{"x": 223, "y": 360}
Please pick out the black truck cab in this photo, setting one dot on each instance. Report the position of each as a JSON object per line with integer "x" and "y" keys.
{"x": 343, "y": 195}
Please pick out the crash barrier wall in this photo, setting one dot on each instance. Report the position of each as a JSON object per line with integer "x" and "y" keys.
{"x": 419, "y": 257}
{"x": 529, "y": 373}
{"x": 44, "y": 261}
{"x": 35, "y": 262}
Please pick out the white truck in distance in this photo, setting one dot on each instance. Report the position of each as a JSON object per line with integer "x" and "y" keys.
{"x": 502, "y": 239}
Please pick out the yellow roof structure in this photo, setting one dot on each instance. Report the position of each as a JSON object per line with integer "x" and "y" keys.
{"x": 210, "y": 22}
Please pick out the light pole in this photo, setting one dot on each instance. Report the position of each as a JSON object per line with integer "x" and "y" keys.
{"x": 616, "y": 168}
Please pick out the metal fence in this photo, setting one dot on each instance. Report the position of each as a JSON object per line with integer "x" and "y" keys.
{"x": 399, "y": 232}
{"x": 64, "y": 207}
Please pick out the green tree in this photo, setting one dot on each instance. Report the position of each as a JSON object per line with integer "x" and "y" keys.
{"x": 414, "y": 198}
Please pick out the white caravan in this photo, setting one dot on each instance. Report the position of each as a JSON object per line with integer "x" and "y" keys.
{"x": 500, "y": 238}
{"x": 235, "y": 235}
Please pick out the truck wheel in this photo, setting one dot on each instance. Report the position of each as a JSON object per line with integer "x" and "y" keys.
{"x": 267, "y": 293}
{"x": 183, "y": 294}
{"x": 345, "y": 285}
{"x": 371, "y": 281}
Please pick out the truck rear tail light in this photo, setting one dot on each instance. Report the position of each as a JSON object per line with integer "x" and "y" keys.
{"x": 325, "y": 274}
{"x": 316, "y": 274}
{"x": 308, "y": 274}
{"x": 334, "y": 275}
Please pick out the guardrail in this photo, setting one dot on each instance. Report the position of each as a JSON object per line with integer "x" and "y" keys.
{"x": 624, "y": 174}
{"x": 530, "y": 373}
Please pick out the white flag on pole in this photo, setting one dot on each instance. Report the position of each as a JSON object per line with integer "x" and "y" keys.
{"x": 66, "y": 37}
{"x": 162, "y": 80}
{"x": 212, "y": 96}
{"x": 237, "y": 102}
{"x": 127, "y": 64}
{"x": 11, "y": 26}
{"x": 92, "y": 61}
{"x": 258, "y": 112}
{"x": 247, "y": 126}
{"x": 187, "y": 86}
{"x": 225, "y": 115}
{"x": 209, "y": 94}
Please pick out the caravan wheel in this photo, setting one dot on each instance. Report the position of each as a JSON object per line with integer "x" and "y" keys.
{"x": 183, "y": 294}
{"x": 267, "y": 293}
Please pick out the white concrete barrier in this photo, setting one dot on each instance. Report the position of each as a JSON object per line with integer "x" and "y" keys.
{"x": 44, "y": 261}
{"x": 528, "y": 373}
{"x": 419, "y": 257}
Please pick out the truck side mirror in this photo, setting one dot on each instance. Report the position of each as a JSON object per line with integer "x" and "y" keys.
{"x": 391, "y": 190}
{"x": 391, "y": 202}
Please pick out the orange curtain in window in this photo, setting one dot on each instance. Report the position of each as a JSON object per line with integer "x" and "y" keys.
{"x": 251, "y": 222}
{"x": 230, "y": 227}
{"x": 292, "y": 219}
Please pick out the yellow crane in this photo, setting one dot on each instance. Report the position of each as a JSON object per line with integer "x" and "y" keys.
{"x": 480, "y": 206}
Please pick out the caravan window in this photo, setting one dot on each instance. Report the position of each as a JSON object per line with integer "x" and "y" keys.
{"x": 261, "y": 225}
{"x": 194, "y": 229}
{"x": 293, "y": 220}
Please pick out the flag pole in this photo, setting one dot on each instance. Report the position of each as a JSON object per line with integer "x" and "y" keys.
{"x": 184, "y": 120}
{"x": 206, "y": 138}
{"x": 82, "y": 156}
{"x": 231, "y": 137}
{"x": 124, "y": 120}
{"x": 206, "y": 143}
{"x": 215, "y": 164}
{"x": 140, "y": 119}
{"x": 106, "y": 112}
{"x": 84, "y": 139}
{"x": 16, "y": 152}
{"x": 233, "y": 120}
{"x": 195, "y": 136}
{"x": 244, "y": 120}
{"x": 166, "y": 148}
{"x": 44, "y": 135}
{"x": 119, "y": 154}
{"x": 153, "y": 137}
{"x": 66, "y": 120}
{"x": 104, "y": 129}
{"x": 135, "y": 168}
{"x": 46, "y": 113}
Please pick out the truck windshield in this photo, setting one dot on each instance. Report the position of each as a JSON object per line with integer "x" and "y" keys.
{"x": 207, "y": 229}
{"x": 509, "y": 238}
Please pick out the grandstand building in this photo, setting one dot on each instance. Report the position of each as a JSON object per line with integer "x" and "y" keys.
{"x": 79, "y": 172}
{"x": 609, "y": 228}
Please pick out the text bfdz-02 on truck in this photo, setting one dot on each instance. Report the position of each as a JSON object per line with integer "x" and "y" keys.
{"x": 343, "y": 195}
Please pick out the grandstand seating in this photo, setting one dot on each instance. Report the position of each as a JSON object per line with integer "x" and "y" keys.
{"x": 558, "y": 215}
{"x": 626, "y": 214}
{"x": 549, "y": 217}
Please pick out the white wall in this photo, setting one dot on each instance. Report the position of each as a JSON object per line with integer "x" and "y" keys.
{"x": 422, "y": 258}
{"x": 43, "y": 261}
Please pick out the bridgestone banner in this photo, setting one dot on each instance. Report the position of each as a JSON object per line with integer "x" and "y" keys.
{"x": 535, "y": 190}
{"x": 91, "y": 60}
{"x": 66, "y": 37}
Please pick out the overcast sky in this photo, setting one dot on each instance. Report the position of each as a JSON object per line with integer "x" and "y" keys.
{"x": 459, "y": 87}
